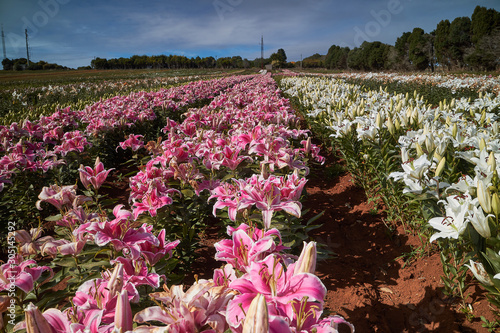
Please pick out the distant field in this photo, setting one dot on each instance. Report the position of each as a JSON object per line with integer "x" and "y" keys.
{"x": 9, "y": 79}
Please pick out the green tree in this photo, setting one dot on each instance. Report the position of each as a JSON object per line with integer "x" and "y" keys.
{"x": 459, "y": 40}
{"x": 336, "y": 58}
{"x": 402, "y": 47}
{"x": 418, "y": 49}
{"x": 7, "y": 64}
{"x": 278, "y": 59}
{"x": 483, "y": 22}
{"x": 441, "y": 44}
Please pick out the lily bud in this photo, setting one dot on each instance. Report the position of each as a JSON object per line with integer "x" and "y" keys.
{"x": 483, "y": 117}
{"x": 482, "y": 144}
{"x": 307, "y": 259}
{"x": 448, "y": 120}
{"x": 454, "y": 130}
{"x": 257, "y": 318}
{"x": 397, "y": 124}
{"x": 440, "y": 167}
{"x": 484, "y": 197}
{"x": 123, "y": 314}
{"x": 378, "y": 121}
{"x": 492, "y": 162}
{"x": 35, "y": 321}
{"x": 115, "y": 283}
{"x": 307, "y": 148}
{"x": 495, "y": 204}
{"x": 420, "y": 152}
{"x": 429, "y": 144}
{"x": 390, "y": 126}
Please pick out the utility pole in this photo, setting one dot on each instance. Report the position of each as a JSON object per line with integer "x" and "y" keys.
{"x": 3, "y": 44}
{"x": 262, "y": 51}
{"x": 27, "y": 51}
{"x": 301, "y": 61}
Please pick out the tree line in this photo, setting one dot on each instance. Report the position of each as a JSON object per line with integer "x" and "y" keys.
{"x": 172, "y": 62}
{"x": 22, "y": 64}
{"x": 465, "y": 43}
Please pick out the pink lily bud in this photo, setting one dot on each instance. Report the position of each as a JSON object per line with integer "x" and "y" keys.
{"x": 307, "y": 145}
{"x": 307, "y": 259}
{"x": 257, "y": 318}
{"x": 123, "y": 314}
{"x": 35, "y": 321}
{"x": 115, "y": 283}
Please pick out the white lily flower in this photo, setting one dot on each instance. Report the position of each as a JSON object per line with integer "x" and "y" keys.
{"x": 479, "y": 221}
{"x": 450, "y": 226}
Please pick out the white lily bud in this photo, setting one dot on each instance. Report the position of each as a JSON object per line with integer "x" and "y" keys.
{"x": 482, "y": 144}
{"x": 492, "y": 162}
{"x": 420, "y": 151}
{"x": 390, "y": 126}
{"x": 440, "y": 167}
{"x": 484, "y": 196}
{"x": 397, "y": 124}
{"x": 378, "y": 121}
{"x": 495, "y": 204}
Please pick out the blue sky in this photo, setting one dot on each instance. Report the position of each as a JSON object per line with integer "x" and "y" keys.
{"x": 73, "y": 32}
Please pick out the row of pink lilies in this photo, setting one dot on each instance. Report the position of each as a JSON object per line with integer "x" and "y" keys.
{"x": 259, "y": 289}
{"x": 39, "y": 145}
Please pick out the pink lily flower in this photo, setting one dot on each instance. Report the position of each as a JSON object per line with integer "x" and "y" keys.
{"x": 242, "y": 250}
{"x": 151, "y": 202}
{"x": 62, "y": 198}
{"x": 93, "y": 296}
{"x": 23, "y": 274}
{"x": 224, "y": 276}
{"x": 51, "y": 321}
{"x": 199, "y": 309}
{"x": 136, "y": 272}
{"x": 153, "y": 253}
{"x": 133, "y": 142}
{"x": 232, "y": 158}
{"x": 29, "y": 243}
{"x": 280, "y": 287}
{"x": 266, "y": 197}
{"x": 119, "y": 233}
{"x": 95, "y": 176}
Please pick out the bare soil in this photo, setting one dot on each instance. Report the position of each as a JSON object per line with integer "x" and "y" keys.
{"x": 370, "y": 282}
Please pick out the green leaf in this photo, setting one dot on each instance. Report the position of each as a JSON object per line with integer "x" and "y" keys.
{"x": 53, "y": 218}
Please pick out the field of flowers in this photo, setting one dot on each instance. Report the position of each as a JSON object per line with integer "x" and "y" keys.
{"x": 228, "y": 152}
{"x": 76, "y": 261}
{"x": 434, "y": 166}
